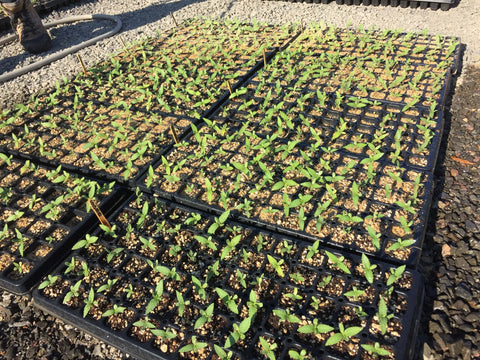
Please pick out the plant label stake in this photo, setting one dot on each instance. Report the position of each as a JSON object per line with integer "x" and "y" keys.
{"x": 123, "y": 42}
{"x": 264, "y": 58}
{"x": 174, "y": 134}
{"x": 174, "y": 21}
{"x": 229, "y": 87}
{"x": 103, "y": 220}
{"x": 81, "y": 63}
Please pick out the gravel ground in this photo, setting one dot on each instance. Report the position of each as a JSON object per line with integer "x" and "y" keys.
{"x": 451, "y": 255}
{"x": 145, "y": 17}
{"x": 451, "y": 260}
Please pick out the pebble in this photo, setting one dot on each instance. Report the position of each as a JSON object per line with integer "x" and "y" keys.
{"x": 461, "y": 263}
{"x": 428, "y": 353}
{"x": 471, "y": 227}
{"x": 463, "y": 292}
{"x": 461, "y": 306}
{"x": 442, "y": 319}
{"x": 439, "y": 340}
{"x": 473, "y": 317}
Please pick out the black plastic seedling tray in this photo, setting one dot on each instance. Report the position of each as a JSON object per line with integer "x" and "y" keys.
{"x": 423, "y": 4}
{"x": 42, "y": 216}
{"x": 344, "y": 224}
{"x": 116, "y": 120}
{"x": 183, "y": 277}
{"x": 303, "y": 132}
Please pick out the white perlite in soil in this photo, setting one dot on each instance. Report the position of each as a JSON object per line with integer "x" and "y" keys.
{"x": 144, "y": 18}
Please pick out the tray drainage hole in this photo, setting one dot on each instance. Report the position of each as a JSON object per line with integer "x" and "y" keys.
{"x": 340, "y": 300}
{"x": 289, "y": 340}
{"x": 232, "y": 318}
{"x": 364, "y": 335}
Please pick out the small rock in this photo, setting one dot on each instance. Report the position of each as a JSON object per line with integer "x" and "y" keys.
{"x": 467, "y": 351}
{"x": 456, "y": 349}
{"x": 461, "y": 306}
{"x": 438, "y": 306}
{"x": 463, "y": 291}
{"x": 470, "y": 226}
{"x": 472, "y": 262}
{"x": 458, "y": 320}
{"x": 442, "y": 205}
{"x": 20, "y": 324}
{"x": 10, "y": 353}
{"x": 442, "y": 319}
{"x": 454, "y": 172}
{"x": 461, "y": 263}
{"x": 445, "y": 250}
{"x": 462, "y": 233}
{"x": 473, "y": 317}
{"x": 42, "y": 324}
{"x": 97, "y": 351}
{"x": 439, "y": 340}
{"x": 466, "y": 327}
{"x": 434, "y": 327}
{"x": 428, "y": 353}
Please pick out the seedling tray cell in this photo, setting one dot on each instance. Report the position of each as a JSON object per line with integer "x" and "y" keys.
{"x": 42, "y": 210}
{"x": 114, "y": 121}
{"x": 175, "y": 283}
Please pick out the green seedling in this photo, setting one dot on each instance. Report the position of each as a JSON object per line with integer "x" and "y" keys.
{"x": 343, "y": 334}
{"x": 368, "y": 268}
{"x": 267, "y": 349}
{"x": 338, "y": 262}
{"x": 383, "y": 317}
{"x": 194, "y": 346}
{"x": 401, "y": 244}
{"x": 181, "y": 303}
{"x": 276, "y": 265}
{"x": 219, "y": 222}
{"x": 230, "y": 246}
{"x": 295, "y": 355}
{"x": 239, "y": 332}
{"x": 355, "y": 293}
{"x": 376, "y": 350}
{"x": 229, "y": 301}
{"x": 108, "y": 286}
{"x": 144, "y": 324}
{"x": 73, "y": 292}
{"x": 115, "y": 310}
{"x": 374, "y": 236}
{"x": 205, "y": 317}
{"x": 395, "y": 274}
{"x": 285, "y": 316}
{"x": 199, "y": 287}
{"x": 85, "y": 243}
{"x": 157, "y": 295}
{"x": 253, "y": 304}
{"x": 315, "y": 328}
{"x": 51, "y": 279}
{"x": 89, "y": 302}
